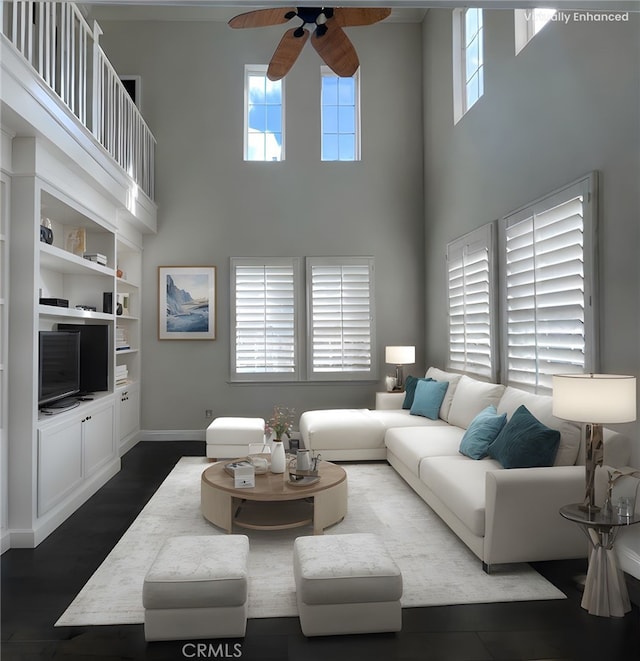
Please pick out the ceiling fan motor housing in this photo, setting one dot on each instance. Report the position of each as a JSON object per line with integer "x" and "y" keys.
{"x": 316, "y": 15}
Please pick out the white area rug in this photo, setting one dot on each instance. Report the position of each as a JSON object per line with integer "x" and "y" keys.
{"x": 437, "y": 568}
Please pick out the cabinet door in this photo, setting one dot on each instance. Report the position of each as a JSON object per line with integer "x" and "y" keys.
{"x": 98, "y": 437}
{"x": 59, "y": 462}
{"x": 129, "y": 414}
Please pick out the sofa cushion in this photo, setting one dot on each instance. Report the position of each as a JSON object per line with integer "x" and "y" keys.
{"x": 440, "y": 375}
{"x": 412, "y": 444}
{"x": 445, "y": 477}
{"x": 482, "y": 432}
{"x": 428, "y": 398}
{"x": 471, "y": 397}
{"x": 525, "y": 442}
{"x": 410, "y": 384}
{"x": 540, "y": 407}
{"x": 335, "y": 429}
{"x": 400, "y": 418}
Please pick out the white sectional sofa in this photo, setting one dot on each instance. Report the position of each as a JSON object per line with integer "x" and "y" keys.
{"x": 502, "y": 515}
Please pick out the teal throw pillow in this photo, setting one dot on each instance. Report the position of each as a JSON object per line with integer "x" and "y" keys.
{"x": 525, "y": 442}
{"x": 410, "y": 384}
{"x": 481, "y": 432}
{"x": 428, "y": 398}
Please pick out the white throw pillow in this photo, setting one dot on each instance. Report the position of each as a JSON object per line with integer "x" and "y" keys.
{"x": 471, "y": 397}
{"x": 440, "y": 375}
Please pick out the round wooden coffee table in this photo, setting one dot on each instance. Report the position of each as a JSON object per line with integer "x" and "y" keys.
{"x": 274, "y": 504}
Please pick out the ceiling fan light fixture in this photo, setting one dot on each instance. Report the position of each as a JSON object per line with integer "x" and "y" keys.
{"x": 328, "y": 38}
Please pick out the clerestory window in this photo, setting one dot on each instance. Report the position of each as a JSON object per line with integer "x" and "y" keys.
{"x": 340, "y": 100}
{"x": 264, "y": 115}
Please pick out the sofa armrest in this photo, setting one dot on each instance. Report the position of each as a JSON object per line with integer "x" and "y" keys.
{"x": 522, "y": 520}
{"x": 389, "y": 400}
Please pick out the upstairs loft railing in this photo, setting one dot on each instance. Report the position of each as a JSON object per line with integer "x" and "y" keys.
{"x": 64, "y": 50}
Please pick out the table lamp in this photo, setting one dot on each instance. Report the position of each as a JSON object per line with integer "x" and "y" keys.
{"x": 600, "y": 399}
{"x": 400, "y": 356}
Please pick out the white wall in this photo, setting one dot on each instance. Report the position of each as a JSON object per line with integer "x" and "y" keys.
{"x": 566, "y": 105}
{"x": 213, "y": 206}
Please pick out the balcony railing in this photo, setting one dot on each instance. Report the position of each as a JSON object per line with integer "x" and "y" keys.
{"x": 64, "y": 50}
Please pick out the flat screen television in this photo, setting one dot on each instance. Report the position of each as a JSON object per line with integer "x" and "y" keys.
{"x": 58, "y": 367}
{"x": 94, "y": 355}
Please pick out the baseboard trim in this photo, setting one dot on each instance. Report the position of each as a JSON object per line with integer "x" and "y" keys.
{"x": 130, "y": 442}
{"x": 5, "y": 541}
{"x": 172, "y": 435}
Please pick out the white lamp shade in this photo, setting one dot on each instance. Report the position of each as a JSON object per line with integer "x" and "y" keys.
{"x": 594, "y": 398}
{"x": 400, "y": 355}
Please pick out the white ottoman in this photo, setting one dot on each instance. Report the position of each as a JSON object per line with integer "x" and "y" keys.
{"x": 346, "y": 584}
{"x": 230, "y": 437}
{"x": 197, "y": 588}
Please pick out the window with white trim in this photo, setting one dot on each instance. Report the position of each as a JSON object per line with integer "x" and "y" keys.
{"x": 468, "y": 59}
{"x": 275, "y": 306}
{"x": 528, "y": 22}
{"x": 264, "y": 297}
{"x": 340, "y": 117}
{"x": 340, "y": 313}
{"x": 263, "y": 115}
{"x": 471, "y": 306}
{"x": 547, "y": 255}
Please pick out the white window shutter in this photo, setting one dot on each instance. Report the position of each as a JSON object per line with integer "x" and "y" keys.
{"x": 340, "y": 300}
{"x": 264, "y": 321}
{"x": 470, "y": 303}
{"x": 547, "y": 292}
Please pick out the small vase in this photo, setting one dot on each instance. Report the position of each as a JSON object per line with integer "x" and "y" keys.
{"x": 277, "y": 457}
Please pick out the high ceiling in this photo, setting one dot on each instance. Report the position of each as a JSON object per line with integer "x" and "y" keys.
{"x": 403, "y": 10}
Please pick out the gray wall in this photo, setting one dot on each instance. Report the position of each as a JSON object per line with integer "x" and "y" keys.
{"x": 213, "y": 206}
{"x": 566, "y": 105}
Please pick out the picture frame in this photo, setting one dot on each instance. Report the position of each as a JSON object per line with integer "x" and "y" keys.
{"x": 187, "y": 302}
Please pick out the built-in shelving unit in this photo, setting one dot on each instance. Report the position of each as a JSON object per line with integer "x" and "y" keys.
{"x": 62, "y": 459}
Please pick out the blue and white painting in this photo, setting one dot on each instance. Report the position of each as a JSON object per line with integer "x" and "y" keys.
{"x": 187, "y": 303}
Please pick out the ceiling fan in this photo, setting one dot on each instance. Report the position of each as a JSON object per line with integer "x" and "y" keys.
{"x": 328, "y": 38}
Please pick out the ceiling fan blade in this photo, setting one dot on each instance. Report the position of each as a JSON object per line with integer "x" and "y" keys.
{"x": 335, "y": 48}
{"x": 263, "y": 17}
{"x": 354, "y": 16}
{"x": 286, "y": 53}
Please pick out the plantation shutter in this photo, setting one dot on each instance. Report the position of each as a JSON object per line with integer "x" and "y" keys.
{"x": 264, "y": 321}
{"x": 470, "y": 303}
{"x": 340, "y": 293}
{"x": 547, "y": 290}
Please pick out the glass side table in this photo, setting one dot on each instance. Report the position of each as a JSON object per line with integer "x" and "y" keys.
{"x": 605, "y": 590}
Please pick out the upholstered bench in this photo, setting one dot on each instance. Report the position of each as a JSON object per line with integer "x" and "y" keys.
{"x": 230, "y": 437}
{"x": 346, "y": 584}
{"x": 197, "y": 588}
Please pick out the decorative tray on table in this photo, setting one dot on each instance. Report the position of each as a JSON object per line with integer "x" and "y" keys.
{"x": 303, "y": 478}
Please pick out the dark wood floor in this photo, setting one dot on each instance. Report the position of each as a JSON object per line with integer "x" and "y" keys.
{"x": 38, "y": 585}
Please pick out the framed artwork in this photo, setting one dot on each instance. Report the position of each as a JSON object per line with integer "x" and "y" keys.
{"x": 187, "y": 302}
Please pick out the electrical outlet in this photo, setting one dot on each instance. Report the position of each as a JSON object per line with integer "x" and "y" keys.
{"x": 208, "y": 413}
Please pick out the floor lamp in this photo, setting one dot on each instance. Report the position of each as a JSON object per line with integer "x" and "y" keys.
{"x": 600, "y": 399}
{"x": 400, "y": 356}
